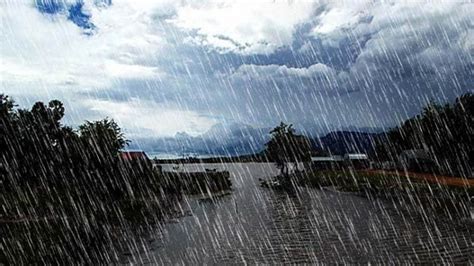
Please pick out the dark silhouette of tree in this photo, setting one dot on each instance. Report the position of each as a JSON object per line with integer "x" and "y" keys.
{"x": 6, "y": 112}
{"x": 48, "y": 169}
{"x": 445, "y": 131}
{"x": 286, "y": 147}
{"x": 6, "y": 106}
{"x": 39, "y": 152}
{"x": 104, "y": 137}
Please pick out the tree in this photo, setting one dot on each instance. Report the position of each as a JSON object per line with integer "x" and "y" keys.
{"x": 6, "y": 106}
{"x": 104, "y": 137}
{"x": 445, "y": 131}
{"x": 47, "y": 168}
{"x": 6, "y": 113}
{"x": 286, "y": 147}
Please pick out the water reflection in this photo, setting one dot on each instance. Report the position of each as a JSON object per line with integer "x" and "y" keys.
{"x": 257, "y": 225}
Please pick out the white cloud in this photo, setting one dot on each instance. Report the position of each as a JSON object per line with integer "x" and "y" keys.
{"x": 341, "y": 16}
{"x": 118, "y": 70}
{"x": 141, "y": 118}
{"x": 138, "y": 46}
{"x": 241, "y": 26}
{"x": 47, "y": 49}
{"x": 467, "y": 41}
{"x": 274, "y": 73}
{"x": 397, "y": 38}
{"x": 400, "y": 19}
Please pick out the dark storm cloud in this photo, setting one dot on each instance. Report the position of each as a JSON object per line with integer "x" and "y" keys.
{"x": 361, "y": 64}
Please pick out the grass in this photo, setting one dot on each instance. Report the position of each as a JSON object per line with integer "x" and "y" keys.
{"x": 347, "y": 180}
{"x": 362, "y": 181}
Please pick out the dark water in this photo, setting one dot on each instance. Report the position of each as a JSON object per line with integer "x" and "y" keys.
{"x": 257, "y": 225}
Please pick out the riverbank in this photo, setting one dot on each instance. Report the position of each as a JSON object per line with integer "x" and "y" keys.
{"x": 431, "y": 178}
{"x": 385, "y": 184}
{"x": 84, "y": 232}
{"x": 248, "y": 158}
{"x": 74, "y": 224}
{"x": 70, "y": 222}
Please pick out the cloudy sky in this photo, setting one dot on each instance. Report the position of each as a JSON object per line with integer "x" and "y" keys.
{"x": 161, "y": 67}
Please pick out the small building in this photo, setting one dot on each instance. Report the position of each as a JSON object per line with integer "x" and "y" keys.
{"x": 337, "y": 162}
{"x": 357, "y": 160}
{"x": 327, "y": 162}
{"x": 139, "y": 157}
{"x": 133, "y": 155}
{"x": 356, "y": 156}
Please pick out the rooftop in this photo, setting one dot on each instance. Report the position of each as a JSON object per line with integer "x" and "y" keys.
{"x": 334, "y": 158}
{"x": 132, "y": 155}
{"x": 356, "y": 156}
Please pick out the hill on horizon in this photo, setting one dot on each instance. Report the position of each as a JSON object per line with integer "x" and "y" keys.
{"x": 235, "y": 139}
{"x": 342, "y": 142}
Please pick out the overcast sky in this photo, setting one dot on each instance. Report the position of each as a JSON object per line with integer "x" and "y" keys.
{"x": 160, "y": 67}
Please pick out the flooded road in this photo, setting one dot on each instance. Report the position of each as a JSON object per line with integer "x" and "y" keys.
{"x": 258, "y": 225}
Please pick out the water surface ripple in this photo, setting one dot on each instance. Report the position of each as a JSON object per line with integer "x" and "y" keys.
{"x": 257, "y": 225}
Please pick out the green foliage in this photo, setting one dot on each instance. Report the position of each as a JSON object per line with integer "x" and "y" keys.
{"x": 104, "y": 137}
{"x": 6, "y": 106}
{"x": 6, "y": 110}
{"x": 62, "y": 165}
{"x": 446, "y": 132}
{"x": 383, "y": 184}
{"x": 49, "y": 171}
{"x": 286, "y": 147}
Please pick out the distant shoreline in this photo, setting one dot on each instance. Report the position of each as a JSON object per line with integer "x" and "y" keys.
{"x": 259, "y": 158}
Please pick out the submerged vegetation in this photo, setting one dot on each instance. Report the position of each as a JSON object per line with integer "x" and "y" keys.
{"x": 54, "y": 178}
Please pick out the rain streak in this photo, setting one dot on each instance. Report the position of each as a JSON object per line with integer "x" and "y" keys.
{"x": 229, "y": 132}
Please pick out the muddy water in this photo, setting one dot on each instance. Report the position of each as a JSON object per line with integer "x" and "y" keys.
{"x": 257, "y": 225}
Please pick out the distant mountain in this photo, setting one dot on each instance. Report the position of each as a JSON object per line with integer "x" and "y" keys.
{"x": 312, "y": 130}
{"x": 182, "y": 135}
{"x": 233, "y": 139}
{"x": 228, "y": 139}
{"x": 341, "y": 142}
{"x": 372, "y": 130}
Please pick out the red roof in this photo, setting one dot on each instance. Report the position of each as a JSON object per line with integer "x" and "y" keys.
{"x": 133, "y": 155}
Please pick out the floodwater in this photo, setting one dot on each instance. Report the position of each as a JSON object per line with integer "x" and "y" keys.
{"x": 258, "y": 225}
